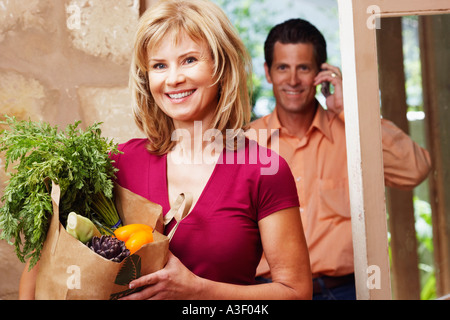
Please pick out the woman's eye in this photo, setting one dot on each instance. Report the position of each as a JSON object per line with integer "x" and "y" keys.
{"x": 190, "y": 60}
{"x": 158, "y": 66}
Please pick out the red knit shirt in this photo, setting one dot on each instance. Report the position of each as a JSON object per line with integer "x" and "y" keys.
{"x": 219, "y": 239}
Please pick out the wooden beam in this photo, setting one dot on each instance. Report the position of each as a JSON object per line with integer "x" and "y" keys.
{"x": 400, "y": 8}
{"x": 364, "y": 151}
{"x": 361, "y": 99}
{"x": 144, "y": 5}
{"x": 434, "y": 48}
{"x": 403, "y": 242}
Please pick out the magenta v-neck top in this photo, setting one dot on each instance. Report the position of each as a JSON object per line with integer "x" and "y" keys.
{"x": 219, "y": 239}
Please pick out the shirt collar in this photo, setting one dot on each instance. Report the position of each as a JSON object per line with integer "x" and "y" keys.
{"x": 273, "y": 122}
{"x": 321, "y": 121}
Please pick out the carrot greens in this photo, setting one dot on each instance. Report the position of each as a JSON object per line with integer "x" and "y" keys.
{"x": 75, "y": 159}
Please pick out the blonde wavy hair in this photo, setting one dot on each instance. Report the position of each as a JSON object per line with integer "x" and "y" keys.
{"x": 201, "y": 20}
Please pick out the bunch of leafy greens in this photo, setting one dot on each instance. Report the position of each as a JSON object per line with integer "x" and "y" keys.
{"x": 76, "y": 160}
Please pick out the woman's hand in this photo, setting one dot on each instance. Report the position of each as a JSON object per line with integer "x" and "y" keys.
{"x": 172, "y": 282}
{"x": 332, "y": 74}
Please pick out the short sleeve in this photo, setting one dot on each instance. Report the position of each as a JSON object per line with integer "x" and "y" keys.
{"x": 277, "y": 189}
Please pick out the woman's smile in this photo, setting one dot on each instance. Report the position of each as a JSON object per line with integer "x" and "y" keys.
{"x": 180, "y": 96}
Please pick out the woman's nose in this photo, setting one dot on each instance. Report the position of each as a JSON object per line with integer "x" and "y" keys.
{"x": 175, "y": 77}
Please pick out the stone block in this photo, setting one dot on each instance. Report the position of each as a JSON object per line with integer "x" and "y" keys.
{"x": 21, "y": 96}
{"x": 18, "y": 15}
{"x": 103, "y": 28}
{"x": 112, "y": 106}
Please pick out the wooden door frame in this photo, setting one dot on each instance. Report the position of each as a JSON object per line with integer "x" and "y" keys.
{"x": 358, "y": 20}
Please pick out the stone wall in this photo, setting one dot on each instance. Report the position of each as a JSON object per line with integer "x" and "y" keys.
{"x": 62, "y": 61}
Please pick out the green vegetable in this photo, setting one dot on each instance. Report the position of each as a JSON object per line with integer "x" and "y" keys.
{"x": 81, "y": 227}
{"x": 78, "y": 161}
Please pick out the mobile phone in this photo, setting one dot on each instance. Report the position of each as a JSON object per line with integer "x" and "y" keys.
{"x": 325, "y": 89}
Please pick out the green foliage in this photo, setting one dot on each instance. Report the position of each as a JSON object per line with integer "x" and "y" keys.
{"x": 251, "y": 19}
{"x": 422, "y": 212}
{"x": 412, "y": 64}
{"x": 424, "y": 234}
{"x": 78, "y": 161}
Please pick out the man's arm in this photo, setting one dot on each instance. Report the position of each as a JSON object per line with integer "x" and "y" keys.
{"x": 406, "y": 164}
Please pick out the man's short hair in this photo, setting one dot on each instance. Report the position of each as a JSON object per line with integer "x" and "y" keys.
{"x": 295, "y": 31}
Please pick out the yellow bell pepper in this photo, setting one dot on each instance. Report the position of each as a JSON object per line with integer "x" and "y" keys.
{"x": 134, "y": 235}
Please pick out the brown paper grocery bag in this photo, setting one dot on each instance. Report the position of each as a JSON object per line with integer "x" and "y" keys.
{"x": 68, "y": 269}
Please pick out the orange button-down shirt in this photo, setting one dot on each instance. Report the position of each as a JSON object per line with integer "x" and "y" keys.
{"x": 318, "y": 162}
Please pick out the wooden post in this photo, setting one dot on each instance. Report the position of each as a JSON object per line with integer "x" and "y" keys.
{"x": 364, "y": 151}
{"x": 357, "y": 20}
{"x": 435, "y": 48}
{"x": 144, "y": 5}
{"x": 404, "y": 258}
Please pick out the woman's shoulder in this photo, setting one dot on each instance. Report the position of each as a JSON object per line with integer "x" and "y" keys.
{"x": 132, "y": 150}
{"x": 137, "y": 144}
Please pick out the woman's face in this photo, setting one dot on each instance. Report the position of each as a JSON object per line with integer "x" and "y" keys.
{"x": 181, "y": 80}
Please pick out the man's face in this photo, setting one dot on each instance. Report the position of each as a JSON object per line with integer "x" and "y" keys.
{"x": 292, "y": 76}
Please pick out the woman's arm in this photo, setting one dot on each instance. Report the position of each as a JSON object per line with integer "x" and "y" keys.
{"x": 286, "y": 252}
{"x": 27, "y": 284}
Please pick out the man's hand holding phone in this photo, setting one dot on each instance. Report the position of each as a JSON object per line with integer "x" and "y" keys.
{"x": 331, "y": 75}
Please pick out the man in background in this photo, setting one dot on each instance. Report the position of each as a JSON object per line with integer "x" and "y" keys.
{"x": 312, "y": 140}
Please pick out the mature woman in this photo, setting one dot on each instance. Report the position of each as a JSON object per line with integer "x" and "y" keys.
{"x": 189, "y": 78}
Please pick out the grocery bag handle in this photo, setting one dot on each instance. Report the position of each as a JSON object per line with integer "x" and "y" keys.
{"x": 182, "y": 197}
{"x": 54, "y": 222}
